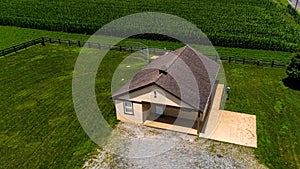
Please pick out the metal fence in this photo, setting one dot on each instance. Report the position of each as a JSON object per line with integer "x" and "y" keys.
{"x": 152, "y": 51}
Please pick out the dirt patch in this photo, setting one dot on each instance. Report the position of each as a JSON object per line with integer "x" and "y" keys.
{"x": 137, "y": 146}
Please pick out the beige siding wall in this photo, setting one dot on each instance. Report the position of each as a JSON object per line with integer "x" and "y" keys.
{"x": 142, "y": 109}
{"x": 136, "y": 117}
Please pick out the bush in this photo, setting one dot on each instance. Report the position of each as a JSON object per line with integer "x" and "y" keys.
{"x": 293, "y": 70}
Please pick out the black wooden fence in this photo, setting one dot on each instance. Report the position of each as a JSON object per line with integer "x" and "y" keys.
{"x": 83, "y": 44}
{"x": 21, "y": 46}
{"x": 257, "y": 62}
{"x": 43, "y": 40}
{"x": 96, "y": 45}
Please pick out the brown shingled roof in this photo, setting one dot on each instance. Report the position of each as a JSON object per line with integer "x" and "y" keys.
{"x": 185, "y": 73}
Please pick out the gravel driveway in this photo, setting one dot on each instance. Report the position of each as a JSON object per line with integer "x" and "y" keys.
{"x": 137, "y": 146}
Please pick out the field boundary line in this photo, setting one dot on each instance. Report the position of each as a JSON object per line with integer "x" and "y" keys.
{"x": 95, "y": 45}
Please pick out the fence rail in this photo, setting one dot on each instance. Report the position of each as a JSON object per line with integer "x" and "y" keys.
{"x": 257, "y": 62}
{"x": 151, "y": 51}
{"x": 96, "y": 45}
{"x": 21, "y": 46}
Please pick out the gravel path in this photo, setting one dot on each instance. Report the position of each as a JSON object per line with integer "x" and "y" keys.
{"x": 136, "y": 146}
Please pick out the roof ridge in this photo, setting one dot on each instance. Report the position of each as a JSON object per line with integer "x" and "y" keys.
{"x": 196, "y": 51}
{"x": 184, "y": 48}
{"x": 202, "y": 56}
{"x": 160, "y": 75}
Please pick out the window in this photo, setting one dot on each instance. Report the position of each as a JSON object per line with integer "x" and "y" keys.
{"x": 159, "y": 109}
{"x": 128, "y": 109}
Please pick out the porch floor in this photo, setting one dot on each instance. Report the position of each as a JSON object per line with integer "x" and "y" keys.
{"x": 173, "y": 124}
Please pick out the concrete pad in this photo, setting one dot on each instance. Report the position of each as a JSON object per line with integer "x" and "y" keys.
{"x": 236, "y": 128}
{"x": 227, "y": 126}
{"x": 215, "y": 114}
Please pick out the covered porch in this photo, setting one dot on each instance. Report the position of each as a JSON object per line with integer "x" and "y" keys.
{"x": 173, "y": 123}
{"x": 185, "y": 121}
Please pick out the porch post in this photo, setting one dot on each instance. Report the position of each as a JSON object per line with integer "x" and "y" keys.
{"x": 199, "y": 121}
{"x": 198, "y": 126}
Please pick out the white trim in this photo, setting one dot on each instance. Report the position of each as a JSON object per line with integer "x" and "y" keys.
{"x": 129, "y": 107}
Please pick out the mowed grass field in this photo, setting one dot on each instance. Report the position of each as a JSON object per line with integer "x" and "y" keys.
{"x": 38, "y": 124}
{"x": 260, "y": 91}
{"x": 39, "y": 127}
{"x": 10, "y": 36}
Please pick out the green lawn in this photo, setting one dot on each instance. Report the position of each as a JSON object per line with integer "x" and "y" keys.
{"x": 39, "y": 128}
{"x": 260, "y": 91}
{"x": 38, "y": 125}
{"x": 10, "y": 36}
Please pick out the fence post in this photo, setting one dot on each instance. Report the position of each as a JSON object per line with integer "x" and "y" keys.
{"x": 272, "y": 64}
{"x": 59, "y": 41}
{"x": 78, "y": 42}
{"x": 50, "y": 40}
{"x": 257, "y": 64}
{"x": 43, "y": 41}
{"x": 120, "y": 48}
{"x": 229, "y": 60}
{"x": 244, "y": 61}
{"x": 69, "y": 42}
{"x": 131, "y": 49}
{"x": 99, "y": 45}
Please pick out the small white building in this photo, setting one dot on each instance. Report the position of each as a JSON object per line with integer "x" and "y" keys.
{"x": 178, "y": 85}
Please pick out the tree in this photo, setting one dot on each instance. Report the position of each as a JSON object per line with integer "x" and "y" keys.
{"x": 293, "y": 70}
{"x": 296, "y": 4}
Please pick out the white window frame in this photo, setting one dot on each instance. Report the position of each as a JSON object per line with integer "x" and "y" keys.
{"x": 127, "y": 107}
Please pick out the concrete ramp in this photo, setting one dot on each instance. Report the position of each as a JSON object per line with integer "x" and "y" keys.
{"x": 227, "y": 126}
{"x": 236, "y": 128}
